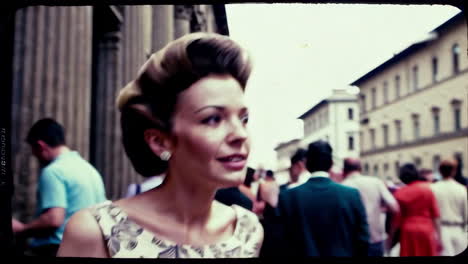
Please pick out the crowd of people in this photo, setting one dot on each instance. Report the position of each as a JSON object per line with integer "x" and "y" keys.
{"x": 184, "y": 128}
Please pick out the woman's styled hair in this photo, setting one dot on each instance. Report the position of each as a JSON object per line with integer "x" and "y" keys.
{"x": 149, "y": 101}
{"x": 409, "y": 173}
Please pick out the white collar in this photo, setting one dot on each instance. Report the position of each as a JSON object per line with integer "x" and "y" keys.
{"x": 303, "y": 177}
{"x": 319, "y": 174}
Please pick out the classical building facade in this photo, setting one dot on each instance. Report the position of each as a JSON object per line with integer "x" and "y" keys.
{"x": 335, "y": 120}
{"x": 413, "y": 107}
{"x": 70, "y": 62}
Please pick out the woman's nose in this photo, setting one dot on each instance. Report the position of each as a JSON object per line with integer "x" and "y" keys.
{"x": 239, "y": 133}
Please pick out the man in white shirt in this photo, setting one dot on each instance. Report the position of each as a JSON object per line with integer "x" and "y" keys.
{"x": 452, "y": 200}
{"x": 374, "y": 194}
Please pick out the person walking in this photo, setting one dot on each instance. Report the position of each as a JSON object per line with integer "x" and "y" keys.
{"x": 374, "y": 195}
{"x": 418, "y": 220}
{"x": 452, "y": 200}
{"x": 67, "y": 183}
{"x": 319, "y": 217}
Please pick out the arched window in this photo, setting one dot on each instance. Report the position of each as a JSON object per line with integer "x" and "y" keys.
{"x": 374, "y": 98}
{"x": 350, "y": 114}
{"x": 455, "y": 58}
{"x": 435, "y": 69}
{"x": 456, "y": 106}
{"x": 385, "y": 92}
{"x": 397, "y": 86}
{"x": 385, "y": 135}
{"x": 436, "y": 119}
{"x": 350, "y": 143}
{"x": 415, "y": 78}
{"x": 416, "y": 131}
{"x": 398, "y": 133}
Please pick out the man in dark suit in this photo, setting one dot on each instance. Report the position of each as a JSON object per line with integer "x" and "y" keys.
{"x": 233, "y": 195}
{"x": 319, "y": 217}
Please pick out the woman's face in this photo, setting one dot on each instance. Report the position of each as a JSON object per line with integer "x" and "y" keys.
{"x": 210, "y": 132}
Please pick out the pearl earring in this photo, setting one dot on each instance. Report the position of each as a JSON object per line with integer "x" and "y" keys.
{"x": 165, "y": 155}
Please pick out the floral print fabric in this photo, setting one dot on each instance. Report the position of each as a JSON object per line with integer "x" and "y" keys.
{"x": 126, "y": 239}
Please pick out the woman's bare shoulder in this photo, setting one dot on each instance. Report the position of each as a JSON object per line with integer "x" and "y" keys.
{"x": 82, "y": 237}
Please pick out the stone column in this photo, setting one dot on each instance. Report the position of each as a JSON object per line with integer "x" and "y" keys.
{"x": 182, "y": 14}
{"x": 162, "y": 26}
{"x": 51, "y": 78}
{"x": 107, "y": 81}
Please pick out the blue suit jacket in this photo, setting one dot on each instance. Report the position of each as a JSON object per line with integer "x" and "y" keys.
{"x": 317, "y": 218}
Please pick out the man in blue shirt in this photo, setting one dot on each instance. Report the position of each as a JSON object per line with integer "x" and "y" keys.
{"x": 67, "y": 183}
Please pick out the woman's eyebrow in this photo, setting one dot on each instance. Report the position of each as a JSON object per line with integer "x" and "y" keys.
{"x": 210, "y": 106}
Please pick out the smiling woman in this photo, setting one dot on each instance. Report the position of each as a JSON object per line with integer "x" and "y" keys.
{"x": 183, "y": 116}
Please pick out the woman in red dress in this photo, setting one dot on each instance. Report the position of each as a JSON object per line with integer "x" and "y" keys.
{"x": 418, "y": 219}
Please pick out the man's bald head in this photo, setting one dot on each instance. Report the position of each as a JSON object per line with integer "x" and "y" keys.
{"x": 351, "y": 165}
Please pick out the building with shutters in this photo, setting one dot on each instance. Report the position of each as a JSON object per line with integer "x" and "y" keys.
{"x": 335, "y": 120}
{"x": 413, "y": 107}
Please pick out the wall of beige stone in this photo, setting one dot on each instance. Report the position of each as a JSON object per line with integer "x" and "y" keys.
{"x": 426, "y": 153}
{"x": 449, "y": 87}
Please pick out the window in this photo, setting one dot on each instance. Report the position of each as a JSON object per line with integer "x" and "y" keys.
{"x": 415, "y": 78}
{"x": 350, "y": 114}
{"x": 455, "y": 58}
{"x": 361, "y": 140}
{"x": 350, "y": 143}
{"x": 374, "y": 103}
{"x": 372, "y": 136}
{"x": 385, "y": 170}
{"x": 308, "y": 126}
{"x": 459, "y": 158}
{"x": 416, "y": 126}
{"x": 456, "y": 116}
{"x": 417, "y": 162}
{"x": 385, "y": 92}
{"x": 456, "y": 104}
{"x": 398, "y": 132}
{"x": 376, "y": 170}
{"x": 397, "y": 168}
{"x": 385, "y": 135}
{"x": 435, "y": 164}
{"x": 366, "y": 168}
{"x": 363, "y": 103}
{"x": 436, "y": 119}
{"x": 397, "y": 86}
{"x": 434, "y": 69}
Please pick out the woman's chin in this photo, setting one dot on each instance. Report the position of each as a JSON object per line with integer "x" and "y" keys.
{"x": 232, "y": 180}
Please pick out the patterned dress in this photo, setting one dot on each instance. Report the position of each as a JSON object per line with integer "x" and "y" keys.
{"x": 126, "y": 239}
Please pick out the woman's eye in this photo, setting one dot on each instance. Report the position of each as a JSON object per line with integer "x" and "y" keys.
{"x": 245, "y": 119}
{"x": 212, "y": 120}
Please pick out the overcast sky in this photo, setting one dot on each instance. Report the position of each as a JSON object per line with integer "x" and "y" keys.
{"x": 303, "y": 51}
